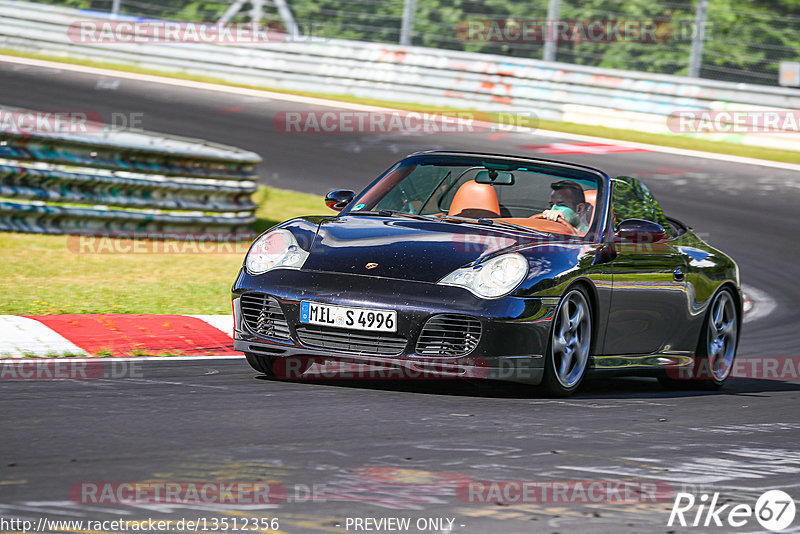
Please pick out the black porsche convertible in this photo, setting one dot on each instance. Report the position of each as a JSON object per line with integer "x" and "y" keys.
{"x": 458, "y": 264}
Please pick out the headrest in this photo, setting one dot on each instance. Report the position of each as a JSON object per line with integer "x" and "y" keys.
{"x": 475, "y": 200}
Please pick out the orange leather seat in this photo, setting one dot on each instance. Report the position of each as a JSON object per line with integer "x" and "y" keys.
{"x": 475, "y": 200}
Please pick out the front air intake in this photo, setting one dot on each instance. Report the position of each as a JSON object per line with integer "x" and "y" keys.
{"x": 263, "y": 316}
{"x": 449, "y": 335}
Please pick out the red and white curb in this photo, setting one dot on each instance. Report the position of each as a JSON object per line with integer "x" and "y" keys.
{"x": 117, "y": 335}
{"x": 584, "y": 148}
{"x": 756, "y": 304}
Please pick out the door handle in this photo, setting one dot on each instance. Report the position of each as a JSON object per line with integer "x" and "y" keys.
{"x": 678, "y": 275}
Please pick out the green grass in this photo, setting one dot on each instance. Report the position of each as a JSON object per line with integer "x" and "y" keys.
{"x": 675, "y": 141}
{"x": 53, "y": 355}
{"x": 277, "y": 205}
{"x": 44, "y": 274}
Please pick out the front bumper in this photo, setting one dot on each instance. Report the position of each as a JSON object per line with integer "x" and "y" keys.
{"x": 513, "y": 337}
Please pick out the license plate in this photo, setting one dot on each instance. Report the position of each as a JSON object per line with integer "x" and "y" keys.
{"x": 346, "y": 317}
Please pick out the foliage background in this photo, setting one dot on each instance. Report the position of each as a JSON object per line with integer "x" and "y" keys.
{"x": 745, "y": 39}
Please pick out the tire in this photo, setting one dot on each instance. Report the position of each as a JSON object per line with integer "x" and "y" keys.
{"x": 716, "y": 348}
{"x": 282, "y": 367}
{"x": 570, "y": 342}
{"x": 261, "y": 363}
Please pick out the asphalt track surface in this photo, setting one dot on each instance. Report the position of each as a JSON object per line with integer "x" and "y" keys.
{"x": 381, "y": 449}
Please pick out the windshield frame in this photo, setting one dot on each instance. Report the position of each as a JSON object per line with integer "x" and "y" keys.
{"x": 556, "y": 168}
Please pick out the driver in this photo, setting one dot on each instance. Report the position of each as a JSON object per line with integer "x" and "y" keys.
{"x": 568, "y": 203}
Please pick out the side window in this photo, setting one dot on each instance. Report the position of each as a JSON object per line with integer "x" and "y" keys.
{"x": 631, "y": 199}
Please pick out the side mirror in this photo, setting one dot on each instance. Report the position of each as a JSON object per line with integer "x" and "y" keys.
{"x": 639, "y": 231}
{"x": 337, "y": 200}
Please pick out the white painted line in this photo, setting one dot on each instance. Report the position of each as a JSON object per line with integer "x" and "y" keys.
{"x": 264, "y": 93}
{"x": 45, "y": 510}
{"x": 21, "y": 336}
{"x": 261, "y": 93}
{"x": 182, "y": 358}
{"x": 220, "y": 322}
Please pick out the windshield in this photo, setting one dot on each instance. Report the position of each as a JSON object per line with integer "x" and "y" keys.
{"x": 542, "y": 198}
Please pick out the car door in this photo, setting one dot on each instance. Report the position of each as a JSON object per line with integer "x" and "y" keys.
{"x": 648, "y": 301}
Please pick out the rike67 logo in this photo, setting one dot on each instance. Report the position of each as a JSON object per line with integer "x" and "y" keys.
{"x": 774, "y": 510}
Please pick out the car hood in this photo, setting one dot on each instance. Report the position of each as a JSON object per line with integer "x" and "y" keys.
{"x": 406, "y": 249}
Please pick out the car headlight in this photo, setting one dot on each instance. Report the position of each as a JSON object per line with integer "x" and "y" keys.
{"x": 494, "y": 278}
{"x": 277, "y": 248}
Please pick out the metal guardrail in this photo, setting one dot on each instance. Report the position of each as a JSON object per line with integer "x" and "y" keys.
{"x": 124, "y": 183}
{"x": 434, "y": 77}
